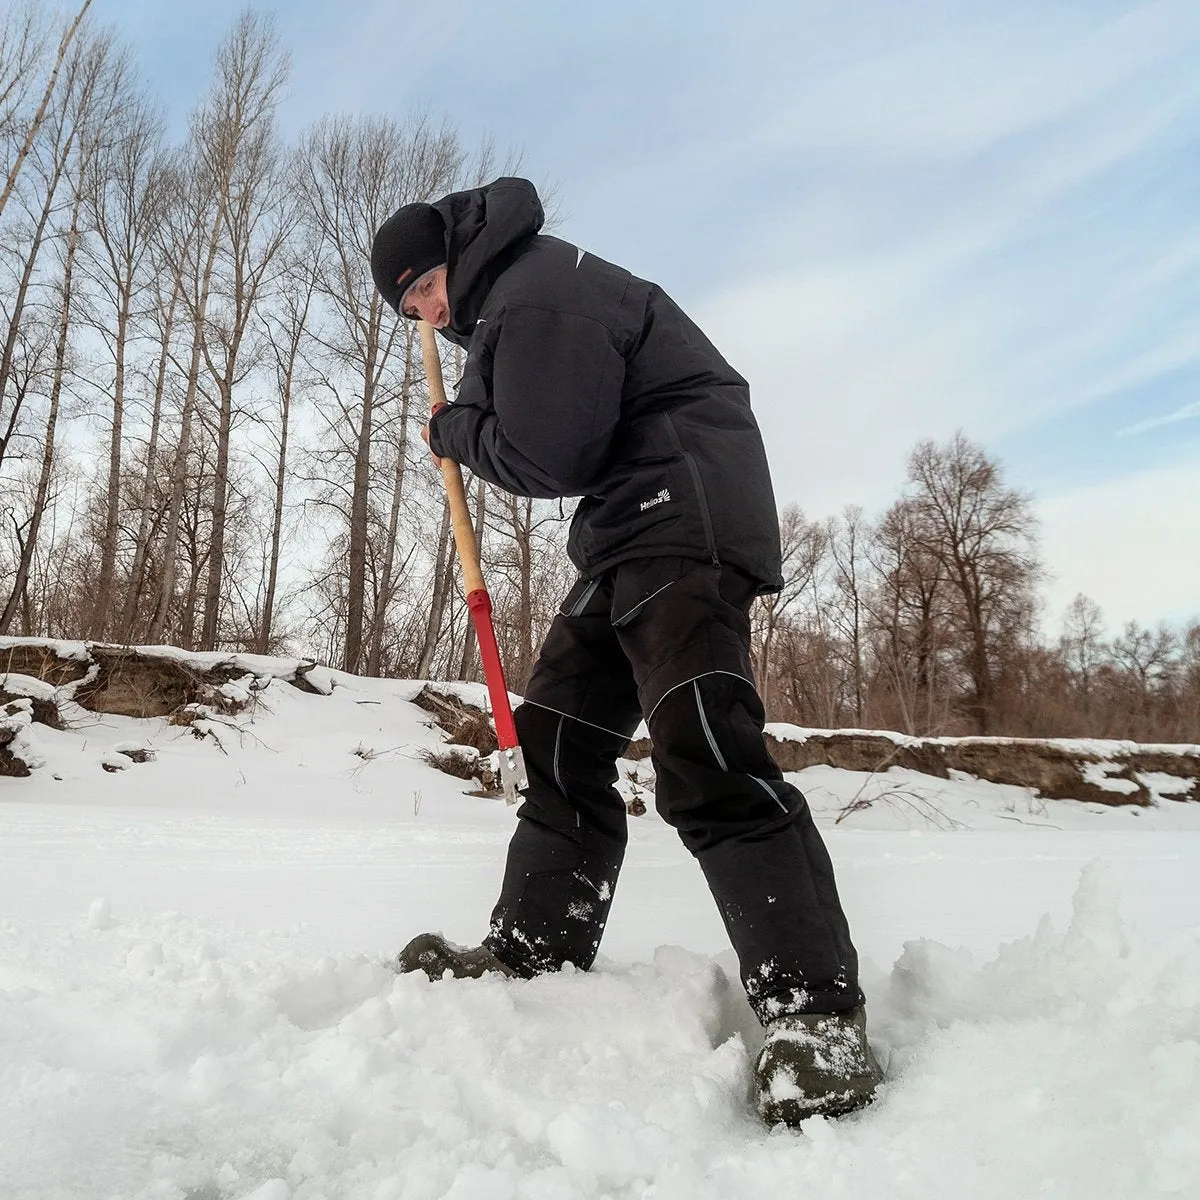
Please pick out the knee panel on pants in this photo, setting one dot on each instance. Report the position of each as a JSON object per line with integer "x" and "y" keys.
{"x": 715, "y": 777}
{"x": 572, "y": 768}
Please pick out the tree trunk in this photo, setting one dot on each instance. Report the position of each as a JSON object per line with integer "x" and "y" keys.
{"x": 268, "y": 613}
{"x": 103, "y": 602}
{"x": 443, "y": 575}
{"x": 7, "y": 358}
{"x": 147, "y": 514}
{"x": 47, "y": 467}
{"x": 220, "y": 509}
{"x": 386, "y": 585}
{"x": 167, "y": 588}
{"x": 356, "y": 582}
{"x": 297, "y": 322}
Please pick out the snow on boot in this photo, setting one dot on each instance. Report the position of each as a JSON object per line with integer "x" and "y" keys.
{"x": 815, "y": 1064}
{"x": 431, "y": 953}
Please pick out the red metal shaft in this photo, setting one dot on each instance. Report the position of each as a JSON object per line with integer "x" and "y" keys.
{"x": 480, "y": 604}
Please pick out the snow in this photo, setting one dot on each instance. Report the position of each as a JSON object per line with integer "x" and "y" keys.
{"x": 73, "y": 651}
{"x": 25, "y": 685}
{"x": 1101, "y": 775}
{"x": 195, "y": 1002}
{"x": 1161, "y": 785}
{"x": 1094, "y": 747}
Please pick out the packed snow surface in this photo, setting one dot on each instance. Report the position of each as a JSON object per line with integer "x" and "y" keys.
{"x": 195, "y": 1000}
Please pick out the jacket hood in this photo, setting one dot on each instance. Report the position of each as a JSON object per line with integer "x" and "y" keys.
{"x": 483, "y": 226}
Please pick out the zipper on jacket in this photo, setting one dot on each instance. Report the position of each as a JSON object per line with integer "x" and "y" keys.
{"x": 698, "y": 484}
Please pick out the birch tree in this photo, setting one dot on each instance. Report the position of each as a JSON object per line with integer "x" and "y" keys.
{"x": 240, "y": 159}
{"x": 288, "y": 326}
{"x": 123, "y": 207}
{"x": 86, "y": 103}
{"x": 353, "y": 175}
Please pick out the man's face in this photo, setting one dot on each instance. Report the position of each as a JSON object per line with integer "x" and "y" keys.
{"x": 426, "y": 299}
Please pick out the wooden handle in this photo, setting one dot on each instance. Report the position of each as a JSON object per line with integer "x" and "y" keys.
{"x": 460, "y": 514}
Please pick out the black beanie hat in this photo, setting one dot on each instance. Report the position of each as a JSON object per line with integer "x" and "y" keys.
{"x": 409, "y": 243}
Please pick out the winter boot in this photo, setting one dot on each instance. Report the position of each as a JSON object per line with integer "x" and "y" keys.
{"x": 431, "y": 953}
{"x": 815, "y": 1064}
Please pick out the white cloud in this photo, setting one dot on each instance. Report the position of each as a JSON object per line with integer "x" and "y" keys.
{"x": 1130, "y": 544}
{"x": 887, "y": 301}
{"x": 846, "y": 376}
{"x": 957, "y": 89}
{"x": 1186, "y": 413}
{"x": 944, "y": 215}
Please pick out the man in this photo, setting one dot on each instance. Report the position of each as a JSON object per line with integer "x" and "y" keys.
{"x": 583, "y": 380}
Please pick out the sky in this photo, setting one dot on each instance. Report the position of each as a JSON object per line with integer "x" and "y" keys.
{"x": 896, "y": 220}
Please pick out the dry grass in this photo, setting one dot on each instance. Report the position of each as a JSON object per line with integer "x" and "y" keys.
{"x": 465, "y": 724}
{"x": 453, "y": 761}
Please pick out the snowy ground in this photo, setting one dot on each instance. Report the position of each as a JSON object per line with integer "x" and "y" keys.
{"x": 195, "y": 1003}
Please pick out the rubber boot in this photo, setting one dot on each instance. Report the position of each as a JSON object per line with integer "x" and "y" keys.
{"x": 815, "y": 1064}
{"x": 431, "y": 953}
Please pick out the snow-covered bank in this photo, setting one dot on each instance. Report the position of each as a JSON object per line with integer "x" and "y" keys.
{"x": 195, "y": 1003}
{"x": 1098, "y": 770}
{"x": 38, "y": 677}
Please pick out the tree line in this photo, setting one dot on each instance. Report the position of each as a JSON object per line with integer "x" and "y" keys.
{"x": 208, "y": 434}
{"x": 928, "y": 620}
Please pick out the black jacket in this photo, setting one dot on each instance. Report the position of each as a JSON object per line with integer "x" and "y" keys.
{"x": 583, "y": 380}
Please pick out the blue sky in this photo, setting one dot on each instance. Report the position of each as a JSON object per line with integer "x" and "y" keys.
{"x": 895, "y": 218}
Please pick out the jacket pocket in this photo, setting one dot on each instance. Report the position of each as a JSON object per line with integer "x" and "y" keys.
{"x": 638, "y": 582}
{"x": 581, "y": 595}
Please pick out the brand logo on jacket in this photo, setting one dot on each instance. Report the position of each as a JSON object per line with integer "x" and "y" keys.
{"x": 661, "y": 498}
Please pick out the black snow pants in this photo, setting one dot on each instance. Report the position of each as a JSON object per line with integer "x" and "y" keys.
{"x": 667, "y": 639}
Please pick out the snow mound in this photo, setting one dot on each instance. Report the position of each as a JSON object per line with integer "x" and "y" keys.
{"x": 161, "y": 1059}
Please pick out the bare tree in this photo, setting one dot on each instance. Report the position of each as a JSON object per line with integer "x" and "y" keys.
{"x": 387, "y": 584}
{"x": 1148, "y": 659}
{"x": 1082, "y": 642}
{"x": 91, "y": 78}
{"x": 527, "y": 576}
{"x": 982, "y": 534}
{"x": 1188, "y": 727}
{"x": 22, "y": 47}
{"x": 123, "y": 208}
{"x": 908, "y": 609}
{"x": 22, "y": 55}
{"x": 804, "y": 546}
{"x": 152, "y": 514}
{"x": 848, "y": 611}
{"x": 353, "y": 175}
{"x": 443, "y": 584}
{"x": 55, "y": 140}
{"x": 288, "y": 326}
{"x": 240, "y": 160}
{"x": 189, "y": 238}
